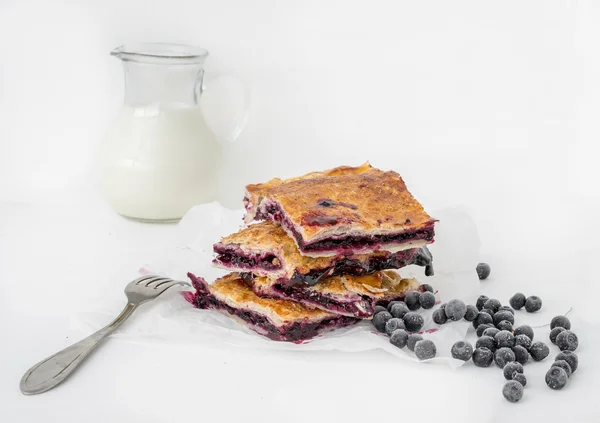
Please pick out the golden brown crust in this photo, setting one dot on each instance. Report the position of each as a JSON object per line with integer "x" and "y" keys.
{"x": 232, "y": 290}
{"x": 363, "y": 200}
{"x": 268, "y": 237}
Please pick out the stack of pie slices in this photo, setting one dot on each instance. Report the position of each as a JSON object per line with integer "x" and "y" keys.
{"x": 322, "y": 253}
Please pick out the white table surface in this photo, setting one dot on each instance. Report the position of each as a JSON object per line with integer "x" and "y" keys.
{"x": 56, "y": 258}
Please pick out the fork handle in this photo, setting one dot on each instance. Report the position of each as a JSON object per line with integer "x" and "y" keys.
{"x": 50, "y": 372}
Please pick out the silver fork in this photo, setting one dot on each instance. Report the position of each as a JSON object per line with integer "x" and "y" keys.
{"x": 53, "y": 370}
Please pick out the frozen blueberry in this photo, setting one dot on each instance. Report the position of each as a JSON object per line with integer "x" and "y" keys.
{"x": 505, "y": 325}
{"x": 412, "y": 300}
{"x": 491, "y": 332}
{"x": 482, "y": 318}
{"x": 511, "y": 368}
{"x": 493, "y": 304}
{"x": 556, "y": 378}
{"x": 501, "y": 315}
{"x": 567, "y": 340}
{"x": 570, "y": 357}
{"x": 399, "y": 338}
{"x": 481, "y": 301}
{"x": 521, "y": 354}
{"x": 554, "y": 333}
{"x": 426, "y": 288}
{"x": 512, "y": 391}
{"x": 413, "y": 338}
{"x": 462, "y": 350}
{"x": 520, "y": 377}
{"x": 427, "y": 300}
{"x": 413, "y": 321}
{"x": 539, "y": 351}
{"x": 488, "y": 311}
{"x": 443, "y": 306}
{"x": 393, "y": 324}
{"x": 523, "y": 340}
{"x": 482, "y": 328}
{"x": 425, "y": 349}
{"x": 483, "y": 270}
{"x": 399, "y": 309}
{"x": 378, "y": 308}
{"x": 507, "y": 308}
{"x": 487, "y": 342}
{"x": 517, "y": 301}
{"x": 524, "y": 330}
{"x": 560, "y": 321}
{"x": 563, "y": 365}
{"x": 504, "y": 338}
{"x": 503, "y": 355}
{"x": 455, "y": 310}
{"x": 533, "y": 304}
{"x": 380, "y": 319}
{"x": 439, "y": 316}
{"x": 483, "y": 357}
{"x": 471, "y": 313}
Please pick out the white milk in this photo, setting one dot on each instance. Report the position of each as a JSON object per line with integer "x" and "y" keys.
{"x": 158, "y": 161}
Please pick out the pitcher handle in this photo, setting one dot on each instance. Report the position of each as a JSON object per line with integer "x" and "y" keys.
{"x": 239, "y": 121}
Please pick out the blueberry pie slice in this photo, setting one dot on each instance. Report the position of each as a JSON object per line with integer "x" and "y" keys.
{"x": 276, "y": 319}
{"x": 265, "y": 249}
{"x": 353, "y": 296}
{"x": 346, "y": 210}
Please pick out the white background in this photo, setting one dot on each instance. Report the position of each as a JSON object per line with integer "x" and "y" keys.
{"x": 493, "y": 105}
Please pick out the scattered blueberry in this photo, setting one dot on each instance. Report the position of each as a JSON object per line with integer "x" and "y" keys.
{"x": 488, "y": 311}
{"x": 493, "y": 304}
{"x": 567, "y": 340}
{"x": 503, "y": 355}
{"x": 482, "y": 328}
{"x": 399, "y": 309}
{"x": 512, "y": 391}
{"x": 511, "y": 368}
{"x": 504, "y": 338}
{"x": 391, "y": 304}
{"x": 556, "y": 378}
{"x": 554, "y": 333}
{"x": 483, "y": 318}
{"x": 507, "y": 308}
{"x": 413, "y": 338}
{"x": 486, "y": 342}
{"x": 505, "y": 325}
{"x": 471, "y": 313}
{"x": 517, "y": 301}
{"x": 393, "y": 324}
{"x": 520, "y": 377}
{"x": 427, "y": 300}
{"x": 378, "y": 308}
{"x": 560, "y": 321}
{"x": 539, "y": 351}
{"x": 503, "y": 315}
{"x": 483, "y": 357}
{"x": 399, "y": 338}
{"x": 455, "y": 310}
{"x": 523, "y": 341}
{"x": 491, "y": 332}
{"x": 426, "y": 288}
{"x": 413, "y": 321}
{"x": 462, "y": 350}
{"x": 533, "y": 304}
{"x": 483, "y": 270}
{"x": 570, "y": 357}
{"x": 443, "y": 306}
{"x": 425, "y": 349}
{"x": 439, "y": 316}
{"x": 480, "y": 302}
{"x": 524, "y": 330}
{"x": 380, "y": 319}
{"x": 412, "y": 300}
{"x": 521, "y": 354}
{"x": 563, "y": 365}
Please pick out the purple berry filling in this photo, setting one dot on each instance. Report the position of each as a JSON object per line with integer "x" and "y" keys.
{"x": 235, "y": 257}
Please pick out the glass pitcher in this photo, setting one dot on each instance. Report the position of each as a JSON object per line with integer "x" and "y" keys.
{"x": 160, "y": 157}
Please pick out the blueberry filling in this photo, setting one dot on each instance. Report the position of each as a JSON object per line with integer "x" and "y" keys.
{"x": 233, "y": 257}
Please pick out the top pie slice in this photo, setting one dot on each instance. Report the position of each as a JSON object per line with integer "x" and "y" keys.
{"x": 345, "y": 210}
